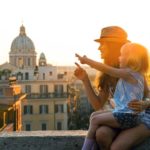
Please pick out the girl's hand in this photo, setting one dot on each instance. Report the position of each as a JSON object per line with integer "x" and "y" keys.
{"x": 136, "y": 105}
{"x": 80, "y": 73}
{"x": 82, "y": 59}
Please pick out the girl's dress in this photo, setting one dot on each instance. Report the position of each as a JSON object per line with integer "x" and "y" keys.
{"x": 124, "y": 93}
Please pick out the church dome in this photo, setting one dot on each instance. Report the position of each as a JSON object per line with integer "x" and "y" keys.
{"x": 42, "y": 56}
{"x": 42, "y": 60}
{"x": 22, "y": 43}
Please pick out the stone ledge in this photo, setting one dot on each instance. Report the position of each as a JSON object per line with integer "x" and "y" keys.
{"x": 42, "y": 140}
{"x": 48, "y": 140}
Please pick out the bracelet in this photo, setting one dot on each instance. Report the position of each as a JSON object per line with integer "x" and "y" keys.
{"x": 145, "y": 104}
{"x": 147, "y": 99}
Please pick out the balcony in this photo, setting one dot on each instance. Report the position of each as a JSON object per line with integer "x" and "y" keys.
{"x": 47, "y": 95}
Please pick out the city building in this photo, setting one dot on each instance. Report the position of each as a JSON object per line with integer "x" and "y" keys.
{"x": 47, "y": 87}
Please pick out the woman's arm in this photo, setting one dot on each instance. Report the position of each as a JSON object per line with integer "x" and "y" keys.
{"x": 112, "y": 103}
{"x": 97, "y": 101}
{"x": 141, "y": 105}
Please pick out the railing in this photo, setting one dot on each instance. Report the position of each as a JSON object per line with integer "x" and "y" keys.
{"x": 46, "y": 95}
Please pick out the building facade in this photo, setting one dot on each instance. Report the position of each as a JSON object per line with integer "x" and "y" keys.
{"x": 46, "y": 86}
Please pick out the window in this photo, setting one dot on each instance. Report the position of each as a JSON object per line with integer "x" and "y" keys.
{"x": 43, "y": 109}
{"x": 28, "y": 127}
{"x": 20, "y": 76}
{"x": 26, "y": 76}
{"x": 43, "y": 89}
{"x": 60, "y": 76}
{"x": 50, "y": 73}
{"x": 28, "y": 109}
{"x": 59, "y": 90}
{"x": 1, "y": 92}
{"x": 29, "y": 62}
{"x": 65, "y": 73}
{"x": 59, "y": 126}
{"x": 43, "y": 76}
{"x": 20, "y": 62}
{"x": 27, "y": 88}
{"x": 44, "y": 126}
{"x": 59, "y": 108}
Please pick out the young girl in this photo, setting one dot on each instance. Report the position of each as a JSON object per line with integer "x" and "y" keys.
{"x": 133, "y": 65}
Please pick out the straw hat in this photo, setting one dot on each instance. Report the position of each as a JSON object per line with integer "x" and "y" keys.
{"x": 113, "y": 33}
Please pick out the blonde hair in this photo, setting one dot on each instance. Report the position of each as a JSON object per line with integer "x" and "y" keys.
{"x": 137, "y": 57}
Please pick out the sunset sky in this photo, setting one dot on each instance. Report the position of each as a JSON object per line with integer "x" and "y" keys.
{"x": 61, "y": 28}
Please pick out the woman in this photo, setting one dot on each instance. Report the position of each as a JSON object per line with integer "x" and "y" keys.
{"x": 111, "y": 40}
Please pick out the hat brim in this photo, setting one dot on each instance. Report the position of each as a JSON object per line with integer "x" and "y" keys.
{"x": 111, "y": 40}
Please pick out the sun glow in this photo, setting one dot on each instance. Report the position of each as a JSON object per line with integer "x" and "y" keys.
{"x": 60, "y": 29}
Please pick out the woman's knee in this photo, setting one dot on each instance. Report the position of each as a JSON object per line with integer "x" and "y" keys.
{"x": 104, "y": 137}
{"x": 93, "y": 119}
{"x": 104, "y": 134}
{"x": 93, "y": 114}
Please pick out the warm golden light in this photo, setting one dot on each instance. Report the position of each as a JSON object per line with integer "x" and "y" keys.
{"x": 16, "y": 89}
{"x": 60, "y": 27}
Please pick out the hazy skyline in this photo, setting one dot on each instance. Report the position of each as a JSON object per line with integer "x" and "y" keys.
{"x": 61, "y": 28}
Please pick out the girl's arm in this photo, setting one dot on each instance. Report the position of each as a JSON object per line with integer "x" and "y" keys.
{"x": 119, "y": 73}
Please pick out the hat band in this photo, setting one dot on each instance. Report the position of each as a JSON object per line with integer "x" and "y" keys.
{"x": 111, "y": 39}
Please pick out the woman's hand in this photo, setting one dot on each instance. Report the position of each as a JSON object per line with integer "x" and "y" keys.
{"x": 80, "y": 73}
{"x": 137, "y": 105}
{"x": 112, "y": 103}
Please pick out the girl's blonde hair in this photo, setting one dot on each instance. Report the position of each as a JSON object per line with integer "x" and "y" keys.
{"x": 137, "y": 57}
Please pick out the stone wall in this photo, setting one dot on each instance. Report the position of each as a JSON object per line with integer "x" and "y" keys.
{"x": 48, "y": 140}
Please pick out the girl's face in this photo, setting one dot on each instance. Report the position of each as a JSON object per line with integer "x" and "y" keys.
{"x": 123, "y": 58}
